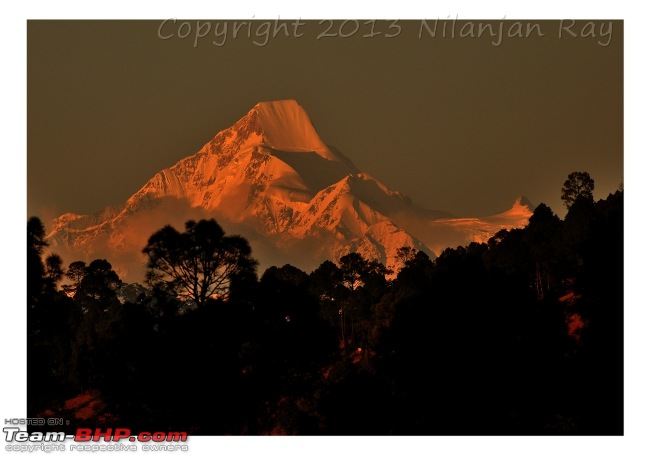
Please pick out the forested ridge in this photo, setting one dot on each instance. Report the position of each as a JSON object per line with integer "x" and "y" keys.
{"x": 520, "y": 335}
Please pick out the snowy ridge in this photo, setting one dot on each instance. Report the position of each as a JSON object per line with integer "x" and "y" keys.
{"x": 287, "y": 127}
{"x": 271, "y": 178}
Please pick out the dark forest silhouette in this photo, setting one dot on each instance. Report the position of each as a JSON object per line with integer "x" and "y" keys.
{"x": 521, "y": 335}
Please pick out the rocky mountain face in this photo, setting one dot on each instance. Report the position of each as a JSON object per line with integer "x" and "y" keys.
{"x": 270, "y": 178}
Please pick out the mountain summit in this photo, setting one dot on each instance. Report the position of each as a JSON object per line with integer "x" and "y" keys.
{"x": 285, "y": 125}
{"x": 271, "y": 178}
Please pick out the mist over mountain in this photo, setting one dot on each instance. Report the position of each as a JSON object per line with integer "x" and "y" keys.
{"x": 271, "y": 179}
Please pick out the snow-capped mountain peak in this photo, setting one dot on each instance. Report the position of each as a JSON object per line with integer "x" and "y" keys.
{"x": 286, "y": 126}
{"x": 271, "y": 178}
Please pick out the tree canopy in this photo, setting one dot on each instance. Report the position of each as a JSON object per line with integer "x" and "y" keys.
{"x": 486, "y": 338}
{"x": 199, "y": 264}
{"x": 42, "y": 276}
{"x": 577, "y": 185}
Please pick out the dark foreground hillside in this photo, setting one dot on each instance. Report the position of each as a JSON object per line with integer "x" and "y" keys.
{"x": 522, "y": 335}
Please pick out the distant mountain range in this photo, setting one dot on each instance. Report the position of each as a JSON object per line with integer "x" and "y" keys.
{"x": 270, "y": 178}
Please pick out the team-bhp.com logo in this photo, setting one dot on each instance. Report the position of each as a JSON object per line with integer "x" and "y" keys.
{"x": 89, "y": 435}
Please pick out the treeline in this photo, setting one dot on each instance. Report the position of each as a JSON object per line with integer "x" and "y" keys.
{"x": 522, "y": 335}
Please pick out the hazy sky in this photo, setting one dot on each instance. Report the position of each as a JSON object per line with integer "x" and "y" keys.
{"x": 458, "y": 123}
